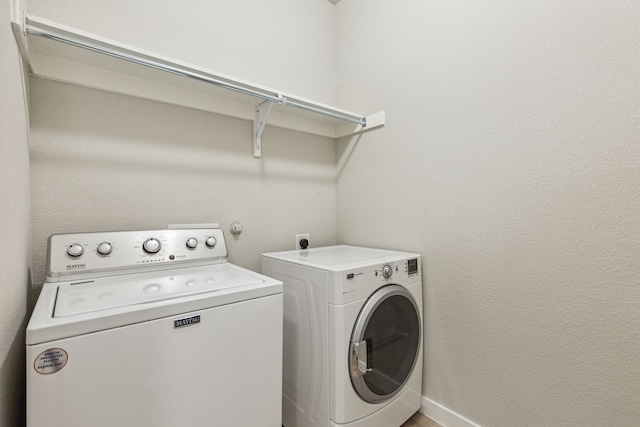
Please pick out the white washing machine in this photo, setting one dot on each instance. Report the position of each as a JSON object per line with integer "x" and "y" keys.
{"x": 153, "y": 328}
{"x": 352, "y": 335}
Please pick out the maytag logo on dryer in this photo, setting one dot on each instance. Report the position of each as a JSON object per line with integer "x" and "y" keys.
{"x": 187, "y": 321}
{"x": 76, "y": 266}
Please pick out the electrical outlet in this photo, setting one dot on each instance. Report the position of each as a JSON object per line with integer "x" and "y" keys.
{"x": 300, "y": 238}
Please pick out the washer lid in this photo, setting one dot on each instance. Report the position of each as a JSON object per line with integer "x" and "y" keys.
{"x": 87, "y": 296}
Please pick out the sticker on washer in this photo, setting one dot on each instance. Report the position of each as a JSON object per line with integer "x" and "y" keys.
{"x": 50, "y": 361}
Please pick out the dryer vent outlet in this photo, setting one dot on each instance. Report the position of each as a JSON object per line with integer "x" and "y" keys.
{"x": 302, "y": 241}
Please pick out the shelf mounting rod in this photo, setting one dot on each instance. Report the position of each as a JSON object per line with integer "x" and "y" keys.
{"x": 36, "y": 27}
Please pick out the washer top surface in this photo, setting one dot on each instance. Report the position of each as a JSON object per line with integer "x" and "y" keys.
{"x": 340, "y": 257}
{"x": 87, "y": 296}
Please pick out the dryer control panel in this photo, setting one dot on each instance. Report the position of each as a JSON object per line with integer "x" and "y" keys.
{"x": 386, "y": 271}
{"x": 93, "y": 254}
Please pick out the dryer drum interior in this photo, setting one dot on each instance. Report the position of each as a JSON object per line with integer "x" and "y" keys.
{"x": 385, "y": 344}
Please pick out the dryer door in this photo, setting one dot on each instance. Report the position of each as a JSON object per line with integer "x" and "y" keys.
{"x": 385, "y": 343}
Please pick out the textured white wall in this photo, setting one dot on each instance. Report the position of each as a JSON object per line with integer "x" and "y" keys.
{"x": 107, "y": 162}
{"x": 510, "y": 160}
{"x": 15, "y": 243}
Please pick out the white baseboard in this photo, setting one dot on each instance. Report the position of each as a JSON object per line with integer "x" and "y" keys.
{"x": 443, "y": 415}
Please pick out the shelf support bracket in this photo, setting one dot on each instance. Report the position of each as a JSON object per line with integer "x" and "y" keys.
{"x": 260, "y": 123}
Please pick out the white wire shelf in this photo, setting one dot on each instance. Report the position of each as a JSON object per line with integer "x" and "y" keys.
{"x": 62, "y": 53}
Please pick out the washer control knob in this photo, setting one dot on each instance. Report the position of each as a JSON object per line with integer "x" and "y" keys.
{"x": 105, "y": 248}
{"x": 151, "y": 245}
{"x": 75, "y": 249}
{"x": 387, "y": 271}
{"x": 211, "y": 241}
{"x": 192, "y": 242}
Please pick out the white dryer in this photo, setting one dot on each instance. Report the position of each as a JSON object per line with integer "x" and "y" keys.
{"x": 352, "y": 335}
{"x": 153, "y": 328}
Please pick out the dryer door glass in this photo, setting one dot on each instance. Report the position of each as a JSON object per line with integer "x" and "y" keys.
{"x": 385, "y": 344}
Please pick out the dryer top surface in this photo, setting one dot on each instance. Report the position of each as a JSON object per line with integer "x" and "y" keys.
{"x": 340, "y": 257}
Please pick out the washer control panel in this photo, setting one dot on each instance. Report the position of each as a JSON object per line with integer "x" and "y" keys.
{"x": 93, "y": 253}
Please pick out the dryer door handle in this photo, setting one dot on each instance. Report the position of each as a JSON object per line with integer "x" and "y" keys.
{"x": 359, "y": 359}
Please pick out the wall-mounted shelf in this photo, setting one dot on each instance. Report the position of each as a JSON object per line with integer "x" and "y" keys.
{"x": 58, "y": 52}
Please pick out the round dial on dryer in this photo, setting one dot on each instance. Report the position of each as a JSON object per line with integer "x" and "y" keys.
{"x": 192, "y": 242}
{"x": 211, "y": 241}
{"x": 75, "y": 249}
{"x": 151, "y": 245}
{"x": 387, "y": 271}
{"x": 104, "y": 248}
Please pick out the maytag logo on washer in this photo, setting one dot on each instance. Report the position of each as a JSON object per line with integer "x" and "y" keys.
{"x": 76, "y": 266}
{"x": 187, "y": 321}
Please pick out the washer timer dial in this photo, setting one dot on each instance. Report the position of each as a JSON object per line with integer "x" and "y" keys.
{"x": 151, "y": 245}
